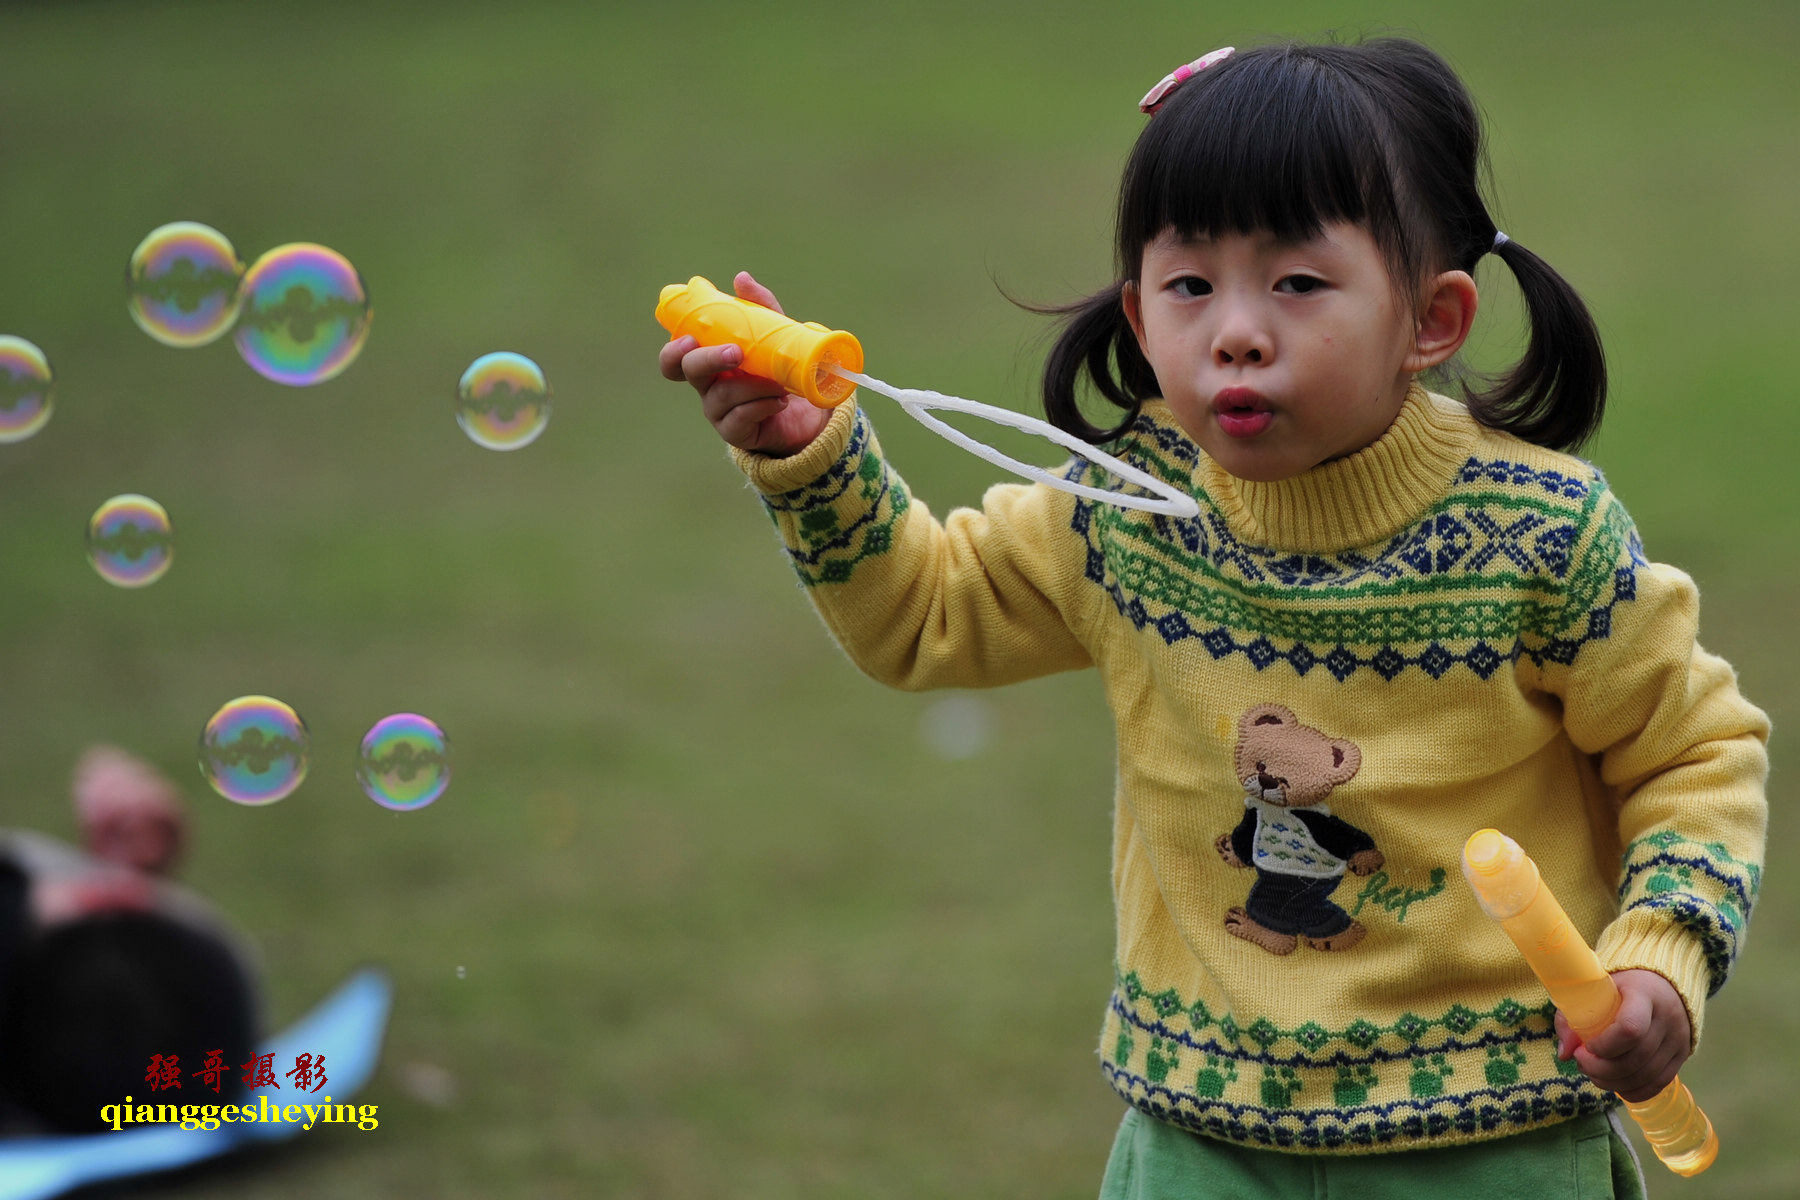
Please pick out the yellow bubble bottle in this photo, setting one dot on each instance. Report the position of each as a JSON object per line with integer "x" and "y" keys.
{"x": 798, "y": 355}
{"x": 1507, "y": 883}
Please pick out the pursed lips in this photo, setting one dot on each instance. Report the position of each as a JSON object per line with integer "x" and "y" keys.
{"x": 1242, "y": 413}
{"x": 1239, "y": 400}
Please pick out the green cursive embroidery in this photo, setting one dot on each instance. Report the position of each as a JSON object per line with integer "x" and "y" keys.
{"x": 1382, "y": 891}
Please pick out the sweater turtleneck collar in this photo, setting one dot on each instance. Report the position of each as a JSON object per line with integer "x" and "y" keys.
{"x": 1358, "y": 499}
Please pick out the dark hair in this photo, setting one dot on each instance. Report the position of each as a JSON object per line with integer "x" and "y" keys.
{"x": 1283, "y": 139}
{"x": 93, "y": 1000}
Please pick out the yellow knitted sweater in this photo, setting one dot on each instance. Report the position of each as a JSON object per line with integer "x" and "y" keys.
{"x": 1321, "y": 687}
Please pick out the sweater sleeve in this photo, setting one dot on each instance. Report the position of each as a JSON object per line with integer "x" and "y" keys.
{"x": 1683, "y": 754}
{"x": 986, "y": 597}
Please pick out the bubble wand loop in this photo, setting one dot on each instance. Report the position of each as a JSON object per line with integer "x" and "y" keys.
{"x": 824, "y": 365}
{"x": 1507, "y": 884}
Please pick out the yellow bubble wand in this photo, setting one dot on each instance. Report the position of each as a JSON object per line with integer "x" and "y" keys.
{"x": 825, "y": 365}
{"x": 1507, "y": 884}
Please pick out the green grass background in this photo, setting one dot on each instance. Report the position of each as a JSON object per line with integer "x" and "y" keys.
{"x": 725, "y": 928}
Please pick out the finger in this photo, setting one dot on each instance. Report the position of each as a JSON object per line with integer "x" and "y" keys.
{"x": 1566, "y": 1041}
{"x": 733, "y": 391}
{"x": 1650, "y": 1079}
{"x": 1602, "y": 1072}
{"x": 1636, "y": 1075}
{"x": 1629, "y": 1027}
{"x": 742, "y": 425}
{"x": 1647, "y": 1085}
{"x": 702, "y": 366}
{"x": 748, "y": 289}
{"x": 668, "y": 360}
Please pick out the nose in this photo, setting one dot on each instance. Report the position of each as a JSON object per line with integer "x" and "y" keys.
{"x": 1243, "y": 336}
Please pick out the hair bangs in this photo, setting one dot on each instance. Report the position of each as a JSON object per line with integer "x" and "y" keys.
{"x": 1272, "y": 141}
{"x": 1283, "y": 140}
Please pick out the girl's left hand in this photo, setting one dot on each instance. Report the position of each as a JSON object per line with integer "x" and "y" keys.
{"x": 1648, "y": 1040}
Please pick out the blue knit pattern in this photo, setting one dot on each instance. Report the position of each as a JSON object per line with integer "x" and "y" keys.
{"x": 1360, "y": 1087}
{"x": 1515, "y": 562}
{"x": 1700, "y": 885}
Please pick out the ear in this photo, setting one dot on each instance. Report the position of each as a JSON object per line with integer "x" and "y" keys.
{"x": 1346, "y": 761}
{"x": 1446, "y": 313}
{"x": 1267, "y": 714}
{"x": 1133, "y": 301}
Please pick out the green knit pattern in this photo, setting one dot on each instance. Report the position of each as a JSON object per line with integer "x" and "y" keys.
{"x": 844, "y": 517}
{"x": 1523, "y": 559}
{"x": 1358, "y": 1085}
{"x": 1702, "y": 885}
{"x": 1512, "y": 561}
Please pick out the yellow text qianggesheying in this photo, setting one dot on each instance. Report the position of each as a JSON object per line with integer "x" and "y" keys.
{"x": 211, "y": 1116}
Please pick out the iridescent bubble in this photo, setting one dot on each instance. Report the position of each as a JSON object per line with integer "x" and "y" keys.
{"x": 181, "y": 284}
{"x": 130, "y": 541}
{"x": 305, "y": 314}
{"x": 957, "y": 727}
{"x": 254, "y": 750}
{"x": 405, "y": 762}
{"x": 27, "y": 389}
{"x": 503, "y": 401}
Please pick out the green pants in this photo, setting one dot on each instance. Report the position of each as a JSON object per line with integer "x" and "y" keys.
{"x": 1581, "y": 1159}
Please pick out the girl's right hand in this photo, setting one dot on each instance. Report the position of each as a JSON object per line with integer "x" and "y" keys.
{"x": 748, "y": 411}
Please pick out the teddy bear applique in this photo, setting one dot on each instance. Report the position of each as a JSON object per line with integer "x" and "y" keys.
{"x": 1288, "y": 836}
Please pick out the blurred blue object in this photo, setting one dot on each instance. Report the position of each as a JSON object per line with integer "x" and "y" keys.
{"x": 346, "y": 1028}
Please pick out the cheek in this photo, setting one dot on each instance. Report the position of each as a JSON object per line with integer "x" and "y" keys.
{"x": 1194, "y": 419}
{"x": 1355, "y": 351}
{"x": 1160, "y": 337}
{"x": 1169, "y": 356}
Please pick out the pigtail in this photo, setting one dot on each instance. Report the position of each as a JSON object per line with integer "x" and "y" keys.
{"x": 1095, "y": 339}
{"x": 1555, "y": 394}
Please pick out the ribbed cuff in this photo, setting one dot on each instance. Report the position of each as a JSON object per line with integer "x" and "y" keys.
{"x": 773, "y": 476}
{"x": 1645, "y": 940}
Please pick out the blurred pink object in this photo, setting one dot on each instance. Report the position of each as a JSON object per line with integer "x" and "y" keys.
{"x": 129, "y": 812}
{"x": 106, "y": 888}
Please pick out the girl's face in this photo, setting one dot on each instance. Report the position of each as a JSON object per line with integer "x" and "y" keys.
{"x": 1278, "y": 356}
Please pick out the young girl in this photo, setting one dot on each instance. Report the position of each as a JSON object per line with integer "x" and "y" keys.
{"x": 1397, "y": 619}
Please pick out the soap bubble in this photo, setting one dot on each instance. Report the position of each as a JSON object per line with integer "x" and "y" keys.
{"x": 27, "y": 389}
{"x": 957, "y": 727}
{"x": 305, "y": 314}
{"x": 254, "y": 750}
{"x": 503, "y": 401}
{"x": 182, "y": 284}
{"x": 130, "y": 541}
{"x": 405, "y": 762}
{"x": 429, "y": 1082}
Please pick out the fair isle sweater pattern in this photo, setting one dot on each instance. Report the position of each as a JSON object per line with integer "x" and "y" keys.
{"x": 1700, "y": 885}
{"x": 827, "y": 550}
{"x": 1515, "y": 563}
{"x": 1195, "y": 579}
{"x": 1362, "y": 1086}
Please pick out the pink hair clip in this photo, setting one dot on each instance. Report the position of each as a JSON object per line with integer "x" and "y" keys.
{"x": 1154, "y": 99}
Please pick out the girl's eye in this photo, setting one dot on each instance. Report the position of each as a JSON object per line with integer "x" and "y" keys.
{"x": 1191, "y": 285}
{"x": 1299, "y": 285}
